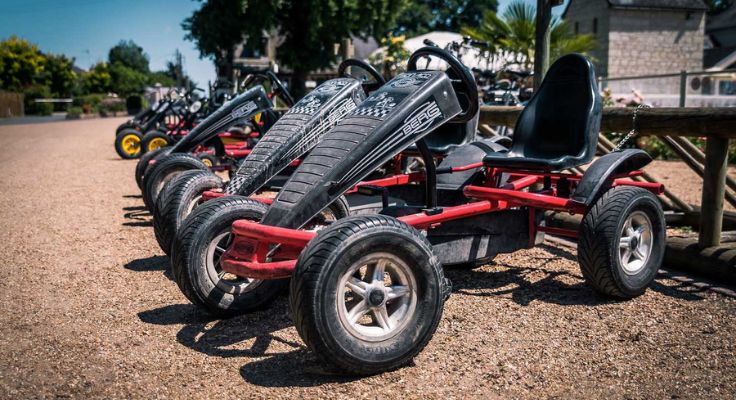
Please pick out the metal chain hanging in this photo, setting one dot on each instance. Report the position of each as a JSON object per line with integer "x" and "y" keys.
{"x": 633, "y": 130}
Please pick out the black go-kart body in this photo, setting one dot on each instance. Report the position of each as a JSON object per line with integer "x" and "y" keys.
{"x": 367, "y": 292}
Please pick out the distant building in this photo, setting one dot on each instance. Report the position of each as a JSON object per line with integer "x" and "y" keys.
{"x": 640, "y": 37}
{"x": 643, "y": 37}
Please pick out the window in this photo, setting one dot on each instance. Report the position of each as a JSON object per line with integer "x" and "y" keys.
{"x": 577, "y": 27}
{"x": 595, "y": 25}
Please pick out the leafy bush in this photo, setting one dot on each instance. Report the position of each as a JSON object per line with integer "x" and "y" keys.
{"x": 34, "y": 92}
{"x": 89, "y": 103}
{"x": 75, "y": 112}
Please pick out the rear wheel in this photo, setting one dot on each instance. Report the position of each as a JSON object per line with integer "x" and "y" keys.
{"x": 165, "y": 169}
{"x": 621, "y": 242}
{"x": 128, "y": 144}
{"x": 154, "y": 140}
{"x": 177, "y": 201}
{"x": 368, "y": 293}
{"x": 196, "y": 256}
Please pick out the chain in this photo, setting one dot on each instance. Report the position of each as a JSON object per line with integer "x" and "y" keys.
{"x": 633, "y": 130}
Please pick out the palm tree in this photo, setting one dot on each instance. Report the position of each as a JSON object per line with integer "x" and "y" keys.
{"x": 511, "y": 36}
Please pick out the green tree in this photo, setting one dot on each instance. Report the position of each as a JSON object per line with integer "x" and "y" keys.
{"x": 59, "y": 74}
{"x": 97, "y": 79}
{"x": 310, "y": 29}
{"x": 513, "y": 34}
{"x": 424, "y": 16}
{"x": 126, "y": 81}
{"x": 21, "y": 64}
{"x": 130, "y": 55}
{"x": 220, "y": 25}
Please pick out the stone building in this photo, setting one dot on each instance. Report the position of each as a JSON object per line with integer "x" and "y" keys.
{"x": 642, "y": 37}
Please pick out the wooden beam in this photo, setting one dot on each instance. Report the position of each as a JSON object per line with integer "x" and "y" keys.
{"x": 694, "y": 151}
{"x": 714, "y": 187}
{"x": 693, "y": 164}
{"x": 716, "y": 121}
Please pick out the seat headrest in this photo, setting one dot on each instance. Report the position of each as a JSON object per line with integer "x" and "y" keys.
{"x": 569, "y": 67}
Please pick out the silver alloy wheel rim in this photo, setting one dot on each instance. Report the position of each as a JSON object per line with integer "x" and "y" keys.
{"x": 194, "y": 203}
{"x": 377, "y": 275}
{"x": 635, "y": 242}
{"x": 226, "y": 282}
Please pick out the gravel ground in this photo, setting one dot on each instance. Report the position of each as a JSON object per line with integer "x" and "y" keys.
{"x": 89, "y": 310}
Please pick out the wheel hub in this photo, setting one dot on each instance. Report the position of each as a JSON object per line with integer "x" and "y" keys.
{"x": 635, "y": 243}
{"x": 376, "y": 297}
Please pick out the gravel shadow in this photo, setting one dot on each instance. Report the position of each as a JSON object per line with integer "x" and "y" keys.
{"x": 298, "y": 368}
{"x": 152, "y": 263}
{"x": 137, "y": 217}
{"x": 280, "y": 362}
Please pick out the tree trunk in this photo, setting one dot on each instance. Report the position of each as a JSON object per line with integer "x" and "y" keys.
{"x": 298, "y": 81}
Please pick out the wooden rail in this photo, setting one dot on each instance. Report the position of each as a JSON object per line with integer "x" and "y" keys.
{"x": 717, "y": 124}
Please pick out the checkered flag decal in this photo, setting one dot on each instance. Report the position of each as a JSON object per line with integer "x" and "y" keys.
{"x": 303, "y": 110}
{"x": 375, "y": 112}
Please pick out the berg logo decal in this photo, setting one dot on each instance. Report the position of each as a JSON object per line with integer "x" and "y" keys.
{"x": 245, "y": 109}
{"x": 410, "y": 79}
{"x": 422, "y": 118}
{"x": 332, "y": 86}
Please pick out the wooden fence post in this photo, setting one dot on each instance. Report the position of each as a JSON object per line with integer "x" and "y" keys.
{"x": 714, "y": 189}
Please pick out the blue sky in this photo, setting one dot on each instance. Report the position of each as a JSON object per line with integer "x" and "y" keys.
{"x": 86, "y": 29}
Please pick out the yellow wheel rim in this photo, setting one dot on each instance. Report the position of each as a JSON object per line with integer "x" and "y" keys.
{"x": 157, "y": 143}
{"x": 207, "y": 162}
{"x": 131, "y": 144}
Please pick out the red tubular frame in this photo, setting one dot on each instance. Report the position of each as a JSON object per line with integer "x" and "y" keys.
{"x": 250, "y": 248}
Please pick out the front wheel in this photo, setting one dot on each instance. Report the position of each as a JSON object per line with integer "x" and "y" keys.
{"x": 177, "y": 201}
{"x": 621, "y": 242}
{"x": 367, "y": 294}
{"x": 128, "y": 144}
{"x": 196, "y": 253}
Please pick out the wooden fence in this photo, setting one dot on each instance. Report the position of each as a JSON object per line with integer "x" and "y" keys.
{"x": 11, "y": 105}
{"x": 718, "y": 125}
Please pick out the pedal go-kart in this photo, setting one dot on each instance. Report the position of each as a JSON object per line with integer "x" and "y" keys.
{"x": 367, "y": 292}
{"x": 255, "y": 103}
{"x": 163, "y": 115}
{"x": 274, "y": 157}
{"x": 168, "y": 162}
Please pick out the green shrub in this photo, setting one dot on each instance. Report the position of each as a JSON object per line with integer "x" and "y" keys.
{"x": 34, "y": 92}
{"x": 75, "y": 112}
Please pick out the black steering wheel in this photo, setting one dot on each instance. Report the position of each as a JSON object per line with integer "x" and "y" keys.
{"x": 461, "y": 78}
{"x": 277, "y": 87}
{"x": 368, "y": 87}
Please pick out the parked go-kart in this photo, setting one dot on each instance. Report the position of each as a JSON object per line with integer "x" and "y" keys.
{"x": 155, "y": 170}
{"x": 367, "y": 292}
{"x": 272, "y": 159}
{"x": 161, "y": 116}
